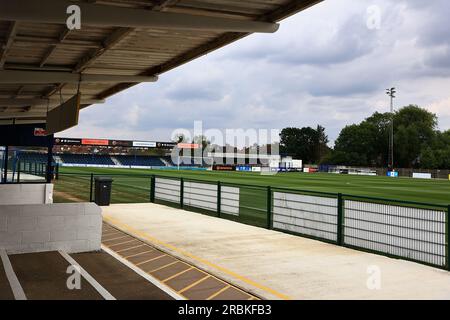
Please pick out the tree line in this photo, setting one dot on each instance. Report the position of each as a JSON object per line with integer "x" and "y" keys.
{"x": 417, "y": 142}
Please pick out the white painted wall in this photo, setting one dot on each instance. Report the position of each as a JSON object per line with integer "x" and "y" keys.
{"x": 71, "y": 227}
{"x": 26, "y": 194}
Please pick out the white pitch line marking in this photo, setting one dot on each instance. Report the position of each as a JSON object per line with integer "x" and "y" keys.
{"x": 14, "y": 283}
{"x": 97, "y": 286}
{"x": 143, "y": 274}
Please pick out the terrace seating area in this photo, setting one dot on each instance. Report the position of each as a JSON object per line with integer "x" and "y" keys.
{"x": 89, "y": 159}
{"x": 32, "y": 157}
{"x": 107, "y": 160}
{"x": 145, "y": 161}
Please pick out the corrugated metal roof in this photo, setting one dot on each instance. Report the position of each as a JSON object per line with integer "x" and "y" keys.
{"x": 117, "y": 50}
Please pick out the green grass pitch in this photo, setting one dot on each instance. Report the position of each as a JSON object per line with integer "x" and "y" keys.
{"x": 133, "y": 186}
{"x": 137, "y": 184}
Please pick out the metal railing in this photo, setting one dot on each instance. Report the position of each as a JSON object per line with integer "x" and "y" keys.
{"x": 408, "y": 230}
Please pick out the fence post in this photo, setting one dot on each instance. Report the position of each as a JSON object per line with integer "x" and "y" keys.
{"x": 91, "y": 188}
{"x": 18, "y": 172}
{"x": 340, "y": 220}
{"x": 181, "y": 193}
{"x": 269, "y": 207}
{"x": 219, "y": 198}
{"x": 152, "y": 189}
{"x": 448, "y": 237}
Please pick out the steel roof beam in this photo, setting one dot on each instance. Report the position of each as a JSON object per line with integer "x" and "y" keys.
{"x": 10, "y": 39}
{"x": 43, "y": 77}
{"x": 41, "y": 102}
{"x": 54, "y": 11}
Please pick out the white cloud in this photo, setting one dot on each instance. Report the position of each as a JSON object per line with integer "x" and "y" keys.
{"x": 324, "y": 67}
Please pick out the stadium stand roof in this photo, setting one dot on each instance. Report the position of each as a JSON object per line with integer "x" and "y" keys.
{"x": 121, "y": 43}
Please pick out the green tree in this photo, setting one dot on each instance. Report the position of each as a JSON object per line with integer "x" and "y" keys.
{"x": 367, "y": 143}
{"x": 437, "y": 154}
{"x": 428, "y": 159}
{"x": 414, "y": 130}
{"x": 354, "y": 145}
{"x": 305, "y": 143}
{"x": 380, "y": 125}
{"x": 321, "y": 145}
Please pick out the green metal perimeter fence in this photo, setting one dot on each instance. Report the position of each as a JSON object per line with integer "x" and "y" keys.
{"x": 402, "y": 229}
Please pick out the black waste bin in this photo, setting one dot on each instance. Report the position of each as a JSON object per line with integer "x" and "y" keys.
{"x": 103, "y": 188}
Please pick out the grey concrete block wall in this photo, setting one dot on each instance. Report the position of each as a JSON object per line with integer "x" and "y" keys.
{"x": 72, "y": 227}
{"x": 26, "y": 194}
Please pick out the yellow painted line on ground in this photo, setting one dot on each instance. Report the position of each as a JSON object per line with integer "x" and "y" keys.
{"x": 193, "y": 284}
{"x": 233, "y": 274}
{"x": 218, "y": 292}
{"x": 153, "y": 259}
{"x": 178, "y": 274}
{"x": 163, "y": 267}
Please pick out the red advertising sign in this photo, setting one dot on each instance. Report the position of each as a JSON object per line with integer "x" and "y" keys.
{"x": 95, "y": 142}
{"x": 188, "y": 146}
{"x": 40, "y": 132}
{"x": 224, "y": 168}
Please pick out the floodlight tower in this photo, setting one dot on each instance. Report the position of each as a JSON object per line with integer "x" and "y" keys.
{"x": 391, "y": 93}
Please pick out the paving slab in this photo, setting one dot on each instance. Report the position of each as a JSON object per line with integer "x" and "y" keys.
{"x": 276, "y": 265}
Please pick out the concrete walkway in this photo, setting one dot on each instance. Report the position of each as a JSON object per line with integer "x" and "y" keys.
{"x": 275, "y": 265}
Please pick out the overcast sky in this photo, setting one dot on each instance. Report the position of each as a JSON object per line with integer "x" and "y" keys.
{"x": 328, "y": 65}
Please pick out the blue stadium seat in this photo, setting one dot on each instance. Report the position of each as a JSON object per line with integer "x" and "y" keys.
{"x": 90, "y": 159}
{"x": 146, "y": 161}
{"x": 32, "y": 157}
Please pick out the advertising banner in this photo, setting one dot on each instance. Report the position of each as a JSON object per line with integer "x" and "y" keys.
{"x": 95, "y": 142}
{"x": 112, "y": 143}
{"x": 392, "y": 174}
{"x": 166, "y": 145}
{"x": 40, "y": 132}
{"x": 120, "y": 143}
{"x": 144, "y": 144}
{"x": 188, "y": 146}
{"x": 224, "y": 168}
{"x": 422, "y": 175}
